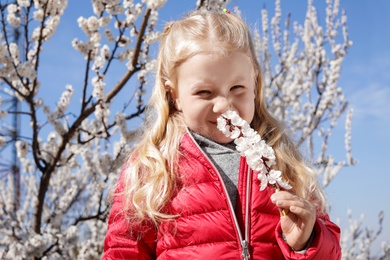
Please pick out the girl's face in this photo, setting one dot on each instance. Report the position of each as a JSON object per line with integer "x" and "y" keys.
{"x": 210, "y": 84}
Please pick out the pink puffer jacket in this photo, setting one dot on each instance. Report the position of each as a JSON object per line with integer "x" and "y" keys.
{"x": 207, "y": 228}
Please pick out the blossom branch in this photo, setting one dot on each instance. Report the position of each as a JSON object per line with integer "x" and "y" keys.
{"x": 259, "y": 156}
{"x": 137, "y": 51}
{"x": 49, "y": 169}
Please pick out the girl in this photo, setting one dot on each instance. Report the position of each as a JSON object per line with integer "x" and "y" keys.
{"x": 185, "y": 192}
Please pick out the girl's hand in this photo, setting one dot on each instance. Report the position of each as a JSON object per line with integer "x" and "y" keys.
{"x": 297, "y": 225}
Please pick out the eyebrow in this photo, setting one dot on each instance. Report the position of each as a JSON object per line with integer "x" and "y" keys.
{"x": 207, "y": 83}
{"x": 199, "y": 84}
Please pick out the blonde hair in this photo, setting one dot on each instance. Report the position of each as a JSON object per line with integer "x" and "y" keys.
{"x": 150, "y": 179}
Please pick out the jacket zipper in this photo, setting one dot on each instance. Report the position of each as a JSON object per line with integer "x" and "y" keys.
{"x": 245, "y": 250}
{"x": 243, "y": 241}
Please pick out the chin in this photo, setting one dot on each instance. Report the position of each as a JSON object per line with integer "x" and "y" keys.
{"x": 222, "y": 139}
{"x": 213, "y": 134}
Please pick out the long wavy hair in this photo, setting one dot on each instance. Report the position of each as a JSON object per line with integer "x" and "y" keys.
{"x": 149, "y": 178}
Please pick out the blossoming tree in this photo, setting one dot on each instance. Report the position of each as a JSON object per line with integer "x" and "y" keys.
{"x": 71, "y": 150}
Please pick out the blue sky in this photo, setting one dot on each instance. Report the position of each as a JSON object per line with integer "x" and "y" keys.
{"x": 365, "y": 80}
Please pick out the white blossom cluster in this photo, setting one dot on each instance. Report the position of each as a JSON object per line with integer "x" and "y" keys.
{"x": 302, "y": 89}
{"x": 13, "y": 13}
{"x": 155, "y": 4}
{"x": 112, "y": 33}
{"x": 71, "y": 156}
{"x": 212, "y": 5}
{"x": 259, "y": 156}
{"x": 76, "y": 191}
{"x": 357, "y": 241}
{"x": 21, "y": 73}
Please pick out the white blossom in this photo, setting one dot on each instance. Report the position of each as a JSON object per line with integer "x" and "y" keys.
{"x": 104, "y": 21}
{"x": 105, "y": 52}
{"x": 128, "y": 3}
{"x": 152, "y": 37}
{"x": 38, "y": 15}
{"x": 24, "y": 3}
{"x": 98, "y": 7}
{"x": 348, "y": 137}
{"x": 14, "y": 50}
{"x": 260, "y": 156}
{"x": 109, "y": 35}
{"x": 21, "y": 148}
{"x": 59, "y": 127}
{"x": 102, "y": 111}
{"x": 155, "y": 4}
{"x": 38, "y": 102}
{"x": 92, "y": 24}
{"x": 2, "y": 141}
{"x": 27, "y": 70}
{"x": 12, "y": 8}
{"x": 66, "y": 96}
{"x": 13, "y": 20}
{"x": 98, "y": 84}
{"x": 115, "y": 10}
{"x": 3, "y": 113}
{"x": 123, "y": 41}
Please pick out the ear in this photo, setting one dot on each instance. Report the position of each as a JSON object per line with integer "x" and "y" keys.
{"x": 171, "y": 90}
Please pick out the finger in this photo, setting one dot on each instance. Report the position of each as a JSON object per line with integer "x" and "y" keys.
{"x": 283, "y": 206}
{"x": 288, "y": 200}
{"x": 280, "y": 198}
{"x": 304, "y": 210}
{"x": 282, "y": 195}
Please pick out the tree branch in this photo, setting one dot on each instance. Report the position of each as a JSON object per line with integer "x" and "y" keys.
{"x": 47, "y": 173}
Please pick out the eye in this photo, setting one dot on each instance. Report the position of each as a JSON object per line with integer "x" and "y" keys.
{"x": 236, "y": 87}
{"x": 202, "y": 92}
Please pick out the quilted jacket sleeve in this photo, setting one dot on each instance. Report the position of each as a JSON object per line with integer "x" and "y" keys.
{"x": 124, "y": 240}
{"x": 325, "y": 245}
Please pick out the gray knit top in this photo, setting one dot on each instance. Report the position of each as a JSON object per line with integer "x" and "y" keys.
{"x": 227, "y": 161}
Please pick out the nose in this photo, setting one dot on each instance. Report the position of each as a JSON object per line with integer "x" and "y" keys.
{"x": 221, "y": 105}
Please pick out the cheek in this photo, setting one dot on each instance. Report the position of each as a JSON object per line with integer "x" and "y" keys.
{"x": 250, "y": 111}
{"x": 194, "y": 113}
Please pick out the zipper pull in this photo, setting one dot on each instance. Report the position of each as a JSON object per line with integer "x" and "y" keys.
{"x": 245, "y": 251}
